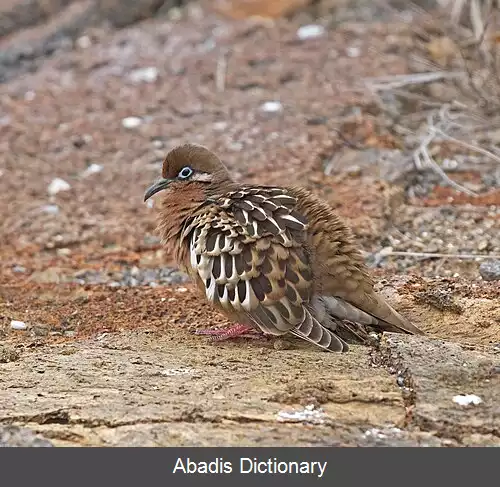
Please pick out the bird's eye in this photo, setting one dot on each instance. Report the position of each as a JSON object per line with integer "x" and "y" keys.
{"x": 185, "y": 172}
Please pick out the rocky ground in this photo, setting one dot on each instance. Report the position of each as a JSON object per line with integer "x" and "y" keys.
{"x": 96, "y": 323}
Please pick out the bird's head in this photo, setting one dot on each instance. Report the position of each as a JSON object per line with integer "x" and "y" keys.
{"x": 188, "y": 164}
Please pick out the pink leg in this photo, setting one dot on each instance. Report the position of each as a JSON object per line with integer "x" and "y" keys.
{"x": 236, "y": 331}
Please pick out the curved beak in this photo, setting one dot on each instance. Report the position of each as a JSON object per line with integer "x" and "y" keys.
{"x": 158, "y": 186}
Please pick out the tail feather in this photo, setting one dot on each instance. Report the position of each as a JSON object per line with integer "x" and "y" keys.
{"x": 399, "y": 324}
{"x": 312, "y": 331}
{"x": 369, "y": 309}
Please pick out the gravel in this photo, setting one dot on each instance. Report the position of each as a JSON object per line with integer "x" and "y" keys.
{"x": 490, "y": 270}
{"x": 132, "y": 276}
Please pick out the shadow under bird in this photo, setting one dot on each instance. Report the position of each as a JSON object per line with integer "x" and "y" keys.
{"x": 269, "y": 258}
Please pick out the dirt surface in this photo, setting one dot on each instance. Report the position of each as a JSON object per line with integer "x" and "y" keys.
{"x": 107, "y": 354}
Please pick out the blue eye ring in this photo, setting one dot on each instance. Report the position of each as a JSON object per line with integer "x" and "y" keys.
{"x": 185, "y": 173}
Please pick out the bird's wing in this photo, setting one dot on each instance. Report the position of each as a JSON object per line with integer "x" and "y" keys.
{"x": 343, "y": 279}
{"x": 247, "y": 248}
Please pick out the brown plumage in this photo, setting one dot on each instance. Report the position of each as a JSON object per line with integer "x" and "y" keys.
{"x": 277, "y": 259}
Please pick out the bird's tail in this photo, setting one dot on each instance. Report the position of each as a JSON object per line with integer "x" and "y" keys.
{"x": 371, "y": 310}
{"x": 312, "y": 331}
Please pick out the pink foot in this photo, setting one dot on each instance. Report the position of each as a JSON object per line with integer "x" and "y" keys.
{"x": 236, "y": 331}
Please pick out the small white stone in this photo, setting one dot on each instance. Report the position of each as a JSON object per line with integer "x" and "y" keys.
{"x": 83, "y": 42}
{"x": 467, "y": 400}
{"x": 29, "y": 95}
{"x": 150, "y": 203}
{"x": 353, "y": 51}
{"x": 271, "y": 106}
{"x": 144, "y": 75}
{"x": 92, "y": 169}
{"x": 50, "y": 209}
{"x": 58, "y": 185}
{"x": 310, "y": 31}
{"x": 220, "y": 126}
{"x": 18, "y": 325}
{"x": 131, "y": 122}
{"x": 182, "y": 289}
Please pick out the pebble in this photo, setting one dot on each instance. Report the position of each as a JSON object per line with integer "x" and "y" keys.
{"x": 483, "y": 245}
{"x": 310, "y": 31}
{"x": 353, "y": 52}
{"x": 58, "y": 185}
{"x": 84, "y": 42}
{"x": 490, "y": 270}
{"x": 92, "y": 169}
{"x": 50, "y": 209}
{"x": 18, "y": 325}
{"x": 271, "y": 107}
{"x": 131, "y": 122}
{"x": 467, "y": 400}
{"x": 144, "y": 75}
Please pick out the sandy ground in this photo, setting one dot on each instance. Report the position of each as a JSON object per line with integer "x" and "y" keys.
{"x": 108, "y": 356}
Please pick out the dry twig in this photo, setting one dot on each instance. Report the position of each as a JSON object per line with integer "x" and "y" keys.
{"x": 422, "y": 157}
